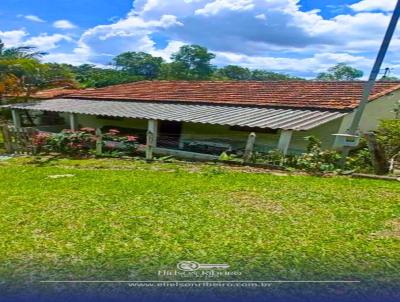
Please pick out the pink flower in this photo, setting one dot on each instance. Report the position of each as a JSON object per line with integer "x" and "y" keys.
{"x": 132, "y": 138}
{"x": 87, "y": 129}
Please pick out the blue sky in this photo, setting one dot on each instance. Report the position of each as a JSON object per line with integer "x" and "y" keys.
{"x": 299, "y": 37}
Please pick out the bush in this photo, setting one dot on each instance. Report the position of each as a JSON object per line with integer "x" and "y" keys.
{"x": 83, "y": 143}
{"x": 316, "y": 159}
{"x": 360, "y": 159}
{"x": 115, "y": 145}
{"x": 76, "y": 143}
{"x": 388, "y": 135}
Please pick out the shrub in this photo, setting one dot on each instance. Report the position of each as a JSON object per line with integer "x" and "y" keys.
{"x": 115, "y": 145}
{"x": 388, "y": 135}
{"x": 314, "y": 160}
{"x": 76, "y": 143}
{"x": 83, "y": 143}
{"x": 360, "y": 160}
{"x": 318, "y": 160}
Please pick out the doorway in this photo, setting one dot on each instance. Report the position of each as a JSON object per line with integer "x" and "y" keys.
{"x": 169, "y": 134}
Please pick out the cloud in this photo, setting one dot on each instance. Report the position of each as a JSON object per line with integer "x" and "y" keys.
{"x": 313, "y": 64}
{"x": 373, "y": 5}
{"x": 130, "y": 33}
{"x": 242, "y": 30}
{"x": 32, "y": 18}
{"x": 45, "y": 42}
{"x": 217, "y": 6}
{"x": 13, "y": 38}
{"x": 271, "y": 34}
{"x": 64, "y": 24}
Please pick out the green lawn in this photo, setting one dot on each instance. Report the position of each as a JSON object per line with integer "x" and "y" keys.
{"x": 127, "y": 220}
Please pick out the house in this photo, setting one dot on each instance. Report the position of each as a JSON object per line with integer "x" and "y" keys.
{"x": 209, "y": 117}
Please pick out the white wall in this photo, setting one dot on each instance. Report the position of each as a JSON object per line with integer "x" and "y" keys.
{"x": 375, "y": 111}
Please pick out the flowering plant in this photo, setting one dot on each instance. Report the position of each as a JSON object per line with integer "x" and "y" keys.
{"x": 83, "y": 142}
{"x": 73, "y": 142}
{"x": 124, "y": 145}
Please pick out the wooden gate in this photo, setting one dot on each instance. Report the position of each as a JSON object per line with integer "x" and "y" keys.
{"x": 19, "y": 140}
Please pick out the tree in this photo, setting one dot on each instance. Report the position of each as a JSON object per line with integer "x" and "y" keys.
{"x": 263, "y": 75}
{"x": 22, "y": 73}
{"x": 139, "y": 64}
{"x": 193, "y": 63}
{"x": 91, "y": 76}
{"x": 340, "y": 72}
{"x": 233, "y": 72}
{"x": 390, "y": 79}
{"x": 16, "y": 66}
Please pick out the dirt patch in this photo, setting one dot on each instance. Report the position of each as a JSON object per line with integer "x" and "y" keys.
{"x": 392, "y": 231}
{"x": 253, "y": 200}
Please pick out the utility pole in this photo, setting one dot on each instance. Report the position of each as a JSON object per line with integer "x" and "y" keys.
{"x": 352, "y": 132}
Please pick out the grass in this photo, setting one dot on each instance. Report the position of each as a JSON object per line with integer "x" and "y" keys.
{"x": 127, "y": 220}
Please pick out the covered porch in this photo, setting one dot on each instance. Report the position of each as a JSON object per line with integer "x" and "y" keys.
{"x": 183, "y": 130}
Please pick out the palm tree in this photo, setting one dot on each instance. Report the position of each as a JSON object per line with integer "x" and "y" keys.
{"x": 22, "y": 73}
{"x": 21, "y": 52}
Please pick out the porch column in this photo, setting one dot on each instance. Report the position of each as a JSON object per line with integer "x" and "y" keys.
{"x": 152, "y": 132}
{"x": 284, "y": 141}
{"x": 16, "y": 118}
{"x": 249, "y": 147}
{"x": 73, "y": 122}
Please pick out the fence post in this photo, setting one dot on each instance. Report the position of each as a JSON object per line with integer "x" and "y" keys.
{"x": 28, "y": 138}
{"x": 284, "y": 141}
{"x": 73, "y": 122}
{"x": 99, "y": 142}
{"x": 151, "y": 138}
{"x": 16, "y": 118}
{"x": 7, "y": 139}
{"x": 249, "y": 147}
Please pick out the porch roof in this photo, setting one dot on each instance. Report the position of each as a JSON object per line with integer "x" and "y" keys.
{"x": 258, "y": 117}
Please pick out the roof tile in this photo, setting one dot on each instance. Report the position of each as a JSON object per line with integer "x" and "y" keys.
{"x": 298, "y": 94}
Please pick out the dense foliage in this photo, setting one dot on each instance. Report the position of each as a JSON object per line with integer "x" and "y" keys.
{"x": 83, "y": 143}
{"x": 22, "y": 72}
{"x": 314, "y": 160}
{"x": 388, "y": 135}
{"x": 340, "y": 72}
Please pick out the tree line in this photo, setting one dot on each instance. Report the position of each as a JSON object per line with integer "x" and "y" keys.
{"x": 23, "y": 73}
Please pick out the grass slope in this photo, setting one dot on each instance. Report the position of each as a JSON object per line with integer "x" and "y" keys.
{"x": 128, "y": 220}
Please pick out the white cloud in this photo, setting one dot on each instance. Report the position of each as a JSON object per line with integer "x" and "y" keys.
{"x": 270, "y": 34}
{"x": 217, "y": 6}
{"x": 261, "y": 17}
{"x": 46, "y": 42}
{"x": 232, "y": 29}
{"x": 13, "y": 38}
{"x": 313, "y": 64}
{"x": 32, "y": 18}
{"x": 372, "y": 5}
{"x": 166, "y": 53}
{"x": 64, "y": 24}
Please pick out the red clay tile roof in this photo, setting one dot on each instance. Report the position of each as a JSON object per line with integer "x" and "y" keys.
{"x": 53, "y": 93}
{"x": 298, "y": 94}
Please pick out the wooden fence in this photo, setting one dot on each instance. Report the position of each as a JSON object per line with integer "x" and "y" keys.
{"x": 18, "y": 140}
